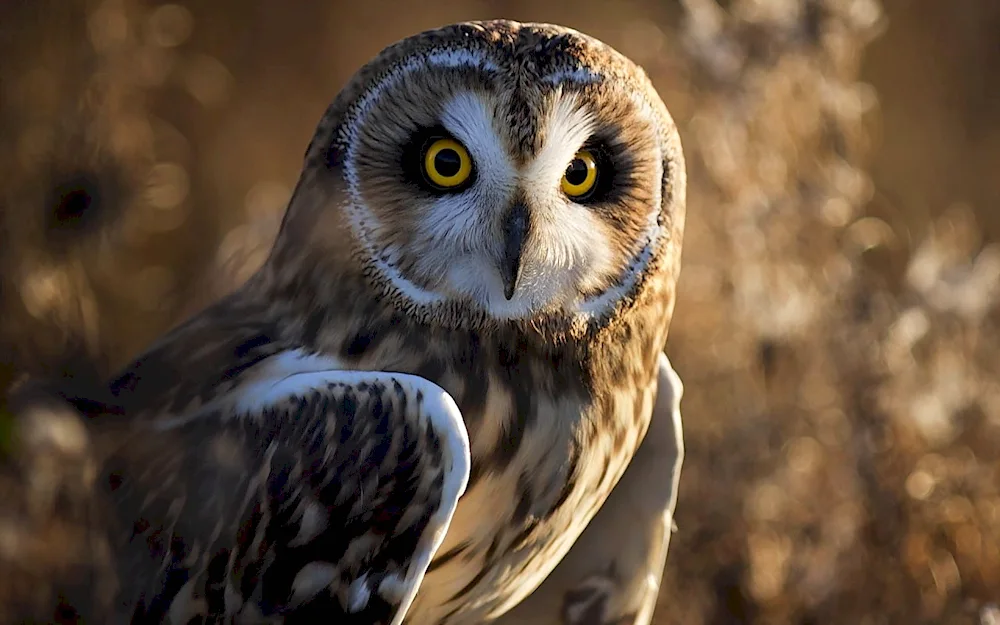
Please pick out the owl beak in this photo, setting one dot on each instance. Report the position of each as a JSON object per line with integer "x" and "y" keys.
{"x": 515, "y": 231}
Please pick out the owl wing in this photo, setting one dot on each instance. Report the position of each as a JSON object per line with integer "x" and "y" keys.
{"x": 611, "y": 576}
{"x": 311, "y": 496}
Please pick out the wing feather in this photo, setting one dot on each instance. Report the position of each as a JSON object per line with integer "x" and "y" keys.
{"x": 307, "y": 494}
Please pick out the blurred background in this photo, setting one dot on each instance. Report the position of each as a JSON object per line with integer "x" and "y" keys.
{"x": 837, "y": 329}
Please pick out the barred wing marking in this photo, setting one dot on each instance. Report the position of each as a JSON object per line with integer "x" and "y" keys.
{"x": 311, "y": 494}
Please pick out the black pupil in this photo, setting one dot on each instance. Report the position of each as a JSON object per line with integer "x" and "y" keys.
{"x": 576, "y": 173}
{"x": 73, "y": 205}
{"x": 447, "y": 162}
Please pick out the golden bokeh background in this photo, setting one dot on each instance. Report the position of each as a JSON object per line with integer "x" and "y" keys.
{"x": 838, "y": 324}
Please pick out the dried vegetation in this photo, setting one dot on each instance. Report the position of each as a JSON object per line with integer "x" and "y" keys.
{"x": 839, "y": 349}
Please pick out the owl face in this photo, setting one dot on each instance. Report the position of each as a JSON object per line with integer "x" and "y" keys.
{"x": 517, "y": 169}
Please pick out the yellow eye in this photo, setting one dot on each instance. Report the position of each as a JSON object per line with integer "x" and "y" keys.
{"x": 581, "y": 175}
{"x": 447, "y": 164}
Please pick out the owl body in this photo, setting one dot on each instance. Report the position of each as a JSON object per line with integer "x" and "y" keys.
{"x": 552, "y": 425}
{"x": 556, "y": 383}
{"x": 495, "y": 208}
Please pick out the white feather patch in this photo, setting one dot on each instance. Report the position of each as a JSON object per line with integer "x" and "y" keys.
{"x": 358, "y": 594}
{"x": 470, "y": 119}
{"x": 461, "y": 224}
{"x": 568, "y": 126}
{"x": 579, "y": 75}
{"x": 311, "y": 580}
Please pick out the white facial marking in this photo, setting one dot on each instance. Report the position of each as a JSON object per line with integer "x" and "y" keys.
{"x": 569, "y": 125}
{"x": 458, "y": 227}
{"x": 361, "y": 218}
{"x": 470, "y": 119}
{"x": 596, "y": 306}
{"x": 579, "y": 75}
{"x": 567, "y": 251}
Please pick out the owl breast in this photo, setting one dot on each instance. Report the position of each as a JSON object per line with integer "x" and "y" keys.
{"x": 520, "y": 517}
{"x": 548, "y": 443}
{"x": 552, "y": 426}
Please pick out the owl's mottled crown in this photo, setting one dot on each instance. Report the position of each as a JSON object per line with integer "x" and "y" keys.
{"x": 563, "y": 180}
{"x": 547, "y": 51}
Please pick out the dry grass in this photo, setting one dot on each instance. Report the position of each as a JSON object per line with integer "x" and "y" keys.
{"x": 839, "y": 350}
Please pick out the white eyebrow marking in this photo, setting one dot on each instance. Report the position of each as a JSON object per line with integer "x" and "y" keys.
{"x": 579, "y": 75}
{"x": 470, "y": 120}
{"x": 460, "y": 58}
{"x": 568, "y": 127}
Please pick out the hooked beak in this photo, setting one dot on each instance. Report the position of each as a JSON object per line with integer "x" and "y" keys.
{"x": 515, "y": 231}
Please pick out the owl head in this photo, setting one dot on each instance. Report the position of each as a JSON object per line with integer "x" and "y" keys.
{"x": 514, "y": 170}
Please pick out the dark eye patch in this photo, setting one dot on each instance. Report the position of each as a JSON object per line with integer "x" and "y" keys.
{"x": 412, "y": 158}
{"x": 614, "y": 168}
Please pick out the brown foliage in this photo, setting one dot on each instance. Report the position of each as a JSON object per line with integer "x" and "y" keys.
{"x": 837, "y": 325}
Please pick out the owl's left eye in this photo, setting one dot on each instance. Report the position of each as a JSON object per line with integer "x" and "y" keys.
{"x": 447, "y": 164}
{"x": 581, "y": 175}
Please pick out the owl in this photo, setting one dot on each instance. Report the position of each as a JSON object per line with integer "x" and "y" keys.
{"x": 434, "y": 382}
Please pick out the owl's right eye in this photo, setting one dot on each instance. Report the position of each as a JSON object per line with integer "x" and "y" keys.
{"x": 447, "y": 165}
